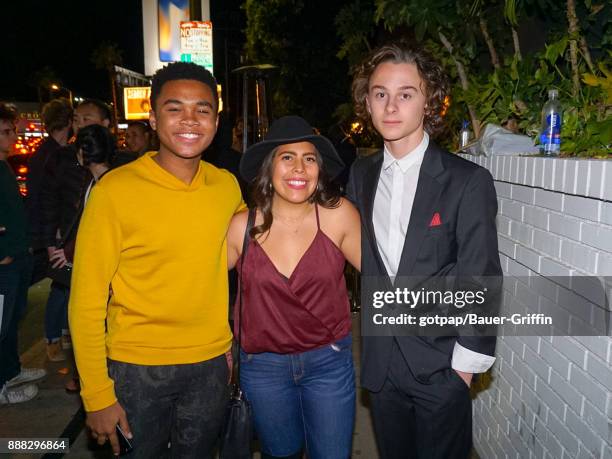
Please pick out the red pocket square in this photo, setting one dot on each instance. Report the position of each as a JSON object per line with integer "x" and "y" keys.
{"x": 435, "y": 221}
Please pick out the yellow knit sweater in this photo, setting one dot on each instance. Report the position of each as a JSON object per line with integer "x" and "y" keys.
{"x": 160, "y": 244}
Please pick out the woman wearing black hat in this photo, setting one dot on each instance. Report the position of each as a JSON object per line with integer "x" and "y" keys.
{"x": 296, "y": 359}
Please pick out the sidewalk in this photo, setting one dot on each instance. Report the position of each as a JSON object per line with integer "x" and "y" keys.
{"x": 50, "y": 412}
{"x": 55, "y": 413}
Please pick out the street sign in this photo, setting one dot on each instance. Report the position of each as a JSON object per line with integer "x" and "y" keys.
{"x": 201, "y": 59}
{"x": 197, "y": 44}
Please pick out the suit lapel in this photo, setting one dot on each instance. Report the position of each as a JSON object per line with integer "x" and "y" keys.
{"x": 427, "y": 195}
{"x": 370, "y": 184}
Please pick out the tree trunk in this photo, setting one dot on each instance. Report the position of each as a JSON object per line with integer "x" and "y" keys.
{"x": 517, "y": 45}
{"x": 464, "y": 82}
{"x": 492, "y": 52}
{"x": 573, "y": 42}
{"x": 584, "y": 49}
{"x": 111, "y": 76}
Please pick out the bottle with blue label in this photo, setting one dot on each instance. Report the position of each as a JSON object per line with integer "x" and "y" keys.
{"x": 550, "y": 137}
{"x": 464, "y": 135}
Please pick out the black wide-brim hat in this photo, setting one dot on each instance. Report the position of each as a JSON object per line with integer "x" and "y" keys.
{"x": 289, "y": 129}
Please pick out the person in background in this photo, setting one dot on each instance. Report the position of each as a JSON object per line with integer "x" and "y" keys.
{"x": 155, "y": 358}
{"x": 61, "y": 200}
{"x": 138, "y": 140}
{"x": 222, "y": 154}
{"x": 15, "y": 273}
{"x": 237, "y": 135}
{"x": 57, "y": 119}
{"x": 95, "y": 147}
{"x": 138, "y": 137}
{"x": 295, "y": 326}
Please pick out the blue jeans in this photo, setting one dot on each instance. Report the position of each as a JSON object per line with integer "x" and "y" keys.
{"x": 302, "y": 400}
{"x": 14, "y": 283}
{"x": 56, "y": 312}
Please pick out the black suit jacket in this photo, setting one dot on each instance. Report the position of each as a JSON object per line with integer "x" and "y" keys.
{"x": 62, "y": 190}
{"x": 465, "y": 244}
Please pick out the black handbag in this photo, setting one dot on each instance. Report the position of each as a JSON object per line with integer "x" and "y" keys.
{"x": 63, "y": 275}
{"x": 238, "y": 429}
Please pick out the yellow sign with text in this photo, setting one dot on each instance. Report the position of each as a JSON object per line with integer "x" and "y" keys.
{"x": 136, "y": 102}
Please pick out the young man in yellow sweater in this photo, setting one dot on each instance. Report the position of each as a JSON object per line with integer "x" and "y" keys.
{"x": 152, "y": 358}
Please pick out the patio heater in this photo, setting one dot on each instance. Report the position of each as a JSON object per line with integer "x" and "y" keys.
{"x": 258, "y": 76}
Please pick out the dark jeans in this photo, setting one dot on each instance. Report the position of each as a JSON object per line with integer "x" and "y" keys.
{"x": 413, "y": 420}
{"x": 181, "y": 404}
{"x": 56, "y": 312}
{"x": 302, "y": 400}
{"x": 14, "y": 284}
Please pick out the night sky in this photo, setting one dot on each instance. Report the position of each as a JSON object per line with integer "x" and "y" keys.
{"x": 63, "y": 35}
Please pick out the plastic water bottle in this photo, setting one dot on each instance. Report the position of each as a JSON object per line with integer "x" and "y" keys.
{"x": 550, "y": 138}
{"x": 464, "y": 135}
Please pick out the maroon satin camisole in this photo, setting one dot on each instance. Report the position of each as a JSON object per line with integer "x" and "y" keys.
{"x": 288, "y": 315}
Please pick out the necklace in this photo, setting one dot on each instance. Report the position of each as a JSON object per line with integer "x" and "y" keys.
{"x": 293, "y": 223}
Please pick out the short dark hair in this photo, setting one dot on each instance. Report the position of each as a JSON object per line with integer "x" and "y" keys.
{"x": 104, "y": 109}
{"x": 182, "y": 71}
{"x": 57, "y": 114}
{"x": 96, "y": 143}
{"x": 8, "y": 112}
{"x": 431, "y": 72}
{"x": 143, "y": 125}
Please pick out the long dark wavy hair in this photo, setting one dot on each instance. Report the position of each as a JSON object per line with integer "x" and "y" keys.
{"x": 326, "y": 194}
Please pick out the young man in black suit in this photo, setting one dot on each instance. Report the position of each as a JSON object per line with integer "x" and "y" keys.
{"x": 430, "y": 214}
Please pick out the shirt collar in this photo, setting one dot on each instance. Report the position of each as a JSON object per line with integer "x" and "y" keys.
{"x": 412, "y": 158}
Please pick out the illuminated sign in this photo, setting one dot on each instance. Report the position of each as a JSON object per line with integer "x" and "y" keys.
{"x": 170, "y": 14}
{"x": 136, "y": 102}
{"x": 153, "y": 36}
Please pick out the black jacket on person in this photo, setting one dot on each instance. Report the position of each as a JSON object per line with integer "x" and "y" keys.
{"x": 37, "y": 164}
{"x": 123, "y": 157}
{"x": 228, "y": 159}
{"x": 61, "y": 194}
{"x": 451, "y": 233}
{"x": 14, "y": 239}
{"x": 221, "y": 154}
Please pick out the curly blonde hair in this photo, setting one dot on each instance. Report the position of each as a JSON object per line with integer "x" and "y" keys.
{"x": 431, "y": 72}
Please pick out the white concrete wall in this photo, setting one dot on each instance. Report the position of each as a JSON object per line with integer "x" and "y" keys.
{"x": 550, "y": 397}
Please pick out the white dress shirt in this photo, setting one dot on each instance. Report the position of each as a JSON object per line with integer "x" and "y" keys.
{"x": 393, "y": 203}
{"x": 391, "y": 216}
